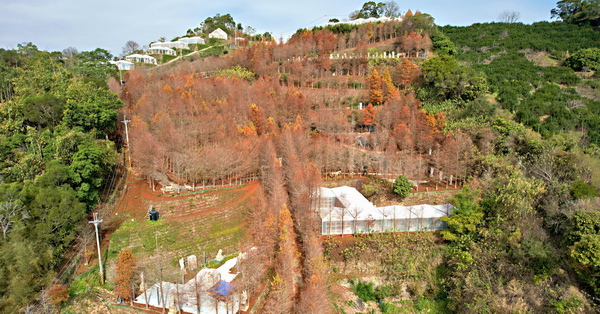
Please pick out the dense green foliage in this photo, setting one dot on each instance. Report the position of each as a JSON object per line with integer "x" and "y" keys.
{"x": 540, "y": 96}
{"x": 57, "y": 122}
{"x": 447, "y": 79}
{"x": 479, "y": 42}
{"x": 578, "y": 12}
{"x": 402, "y": 186}
{"x": 585, "y": 58}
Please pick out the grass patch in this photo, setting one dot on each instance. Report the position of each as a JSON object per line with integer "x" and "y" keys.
{"x": 202, "y": 230}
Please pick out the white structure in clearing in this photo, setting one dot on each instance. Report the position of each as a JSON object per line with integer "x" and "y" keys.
{"x": 365, "y": 21}
{"x": 123, "y": 65}
{"x": 141, "y": 58}
{"x": 194, "y": 293}
{"x": 343, "y": 210}
{"x": 162, "y": 51}
{"x": 218, "y": 33}
{"x": 170, "y": 44}
{"x": 192, "y": 40}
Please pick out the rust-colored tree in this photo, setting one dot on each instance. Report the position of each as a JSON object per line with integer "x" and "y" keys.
{"x": 375, "y": 88}
{"x": 409, "y": 73}
{"x": 314, "y": 297}
{"x": 369, "y": 117}
{"x": 283, "y": 285}
{"x": 125, "y": 266}
{"x": 58, "y": 294}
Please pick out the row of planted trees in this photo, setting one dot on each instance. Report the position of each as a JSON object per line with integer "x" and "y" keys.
{"x": 209, "y": 131}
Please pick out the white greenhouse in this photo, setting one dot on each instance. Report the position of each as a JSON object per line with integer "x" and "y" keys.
{"x": 343, "y": 210}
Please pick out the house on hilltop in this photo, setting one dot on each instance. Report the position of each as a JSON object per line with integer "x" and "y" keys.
{"x": 344, "y": 210}
{"x": 218, "y": 33}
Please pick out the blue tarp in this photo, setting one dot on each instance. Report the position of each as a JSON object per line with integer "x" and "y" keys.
{"x": 222, "y": 288}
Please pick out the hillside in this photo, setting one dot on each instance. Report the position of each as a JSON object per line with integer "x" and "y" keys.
{"x": 232, "y": 147}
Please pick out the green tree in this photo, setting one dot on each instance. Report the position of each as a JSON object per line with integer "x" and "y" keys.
{"x": 224, "y": 22}
{"x": 91, "y": 108}
{"x": 465, "y": 218}
{"x": 93, "y": 66}
{"x": 578, "y": 11}
{"x": 402, "y": 186}
{"x": 90, "y": 168}
{"x": 447, "y": 79}
{"x": 368, "y": 10}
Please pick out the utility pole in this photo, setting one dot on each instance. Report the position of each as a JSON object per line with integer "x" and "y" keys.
{"x": 127, "y": 137}
{"x": 96, "y": 222}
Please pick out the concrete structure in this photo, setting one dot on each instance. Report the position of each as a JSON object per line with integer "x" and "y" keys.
{"x": 343, "y": 210}
{"x": 218, "y": 33}
{"x": 141, "y": 59}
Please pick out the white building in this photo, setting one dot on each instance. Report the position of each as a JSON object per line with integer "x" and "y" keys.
{"x": 218, "y": 33}
{"x": 141, "y": 58}
{"x": 170, "y": 44}
{"x": 162, "y": 51}
{"x": 192, "y": 40}
{"x": 343, "y": 210}
{"x": 123, "y": 65}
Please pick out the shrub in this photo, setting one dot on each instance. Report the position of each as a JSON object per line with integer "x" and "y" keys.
{"x": 402, "y": 186}
{"x": 364, "y": 291}
{"x": 58, "y": 294}
{"x": 584, "y": 59}
{"x": 580, "y": 190}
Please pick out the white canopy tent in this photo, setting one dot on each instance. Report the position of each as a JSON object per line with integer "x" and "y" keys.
{"x": 162, "y": 51}
{"x": 141, "y": 58}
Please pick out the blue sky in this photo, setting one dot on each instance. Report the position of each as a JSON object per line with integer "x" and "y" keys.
{"x": 89, "y": 24}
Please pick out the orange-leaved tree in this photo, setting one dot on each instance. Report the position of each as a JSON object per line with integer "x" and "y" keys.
{"x": 388, "y": 86}
{"x": 126, "y": 265}
{"x": 375, "y": 89}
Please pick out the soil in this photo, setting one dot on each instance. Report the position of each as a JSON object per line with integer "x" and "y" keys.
{"x": 137, "y": 194}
